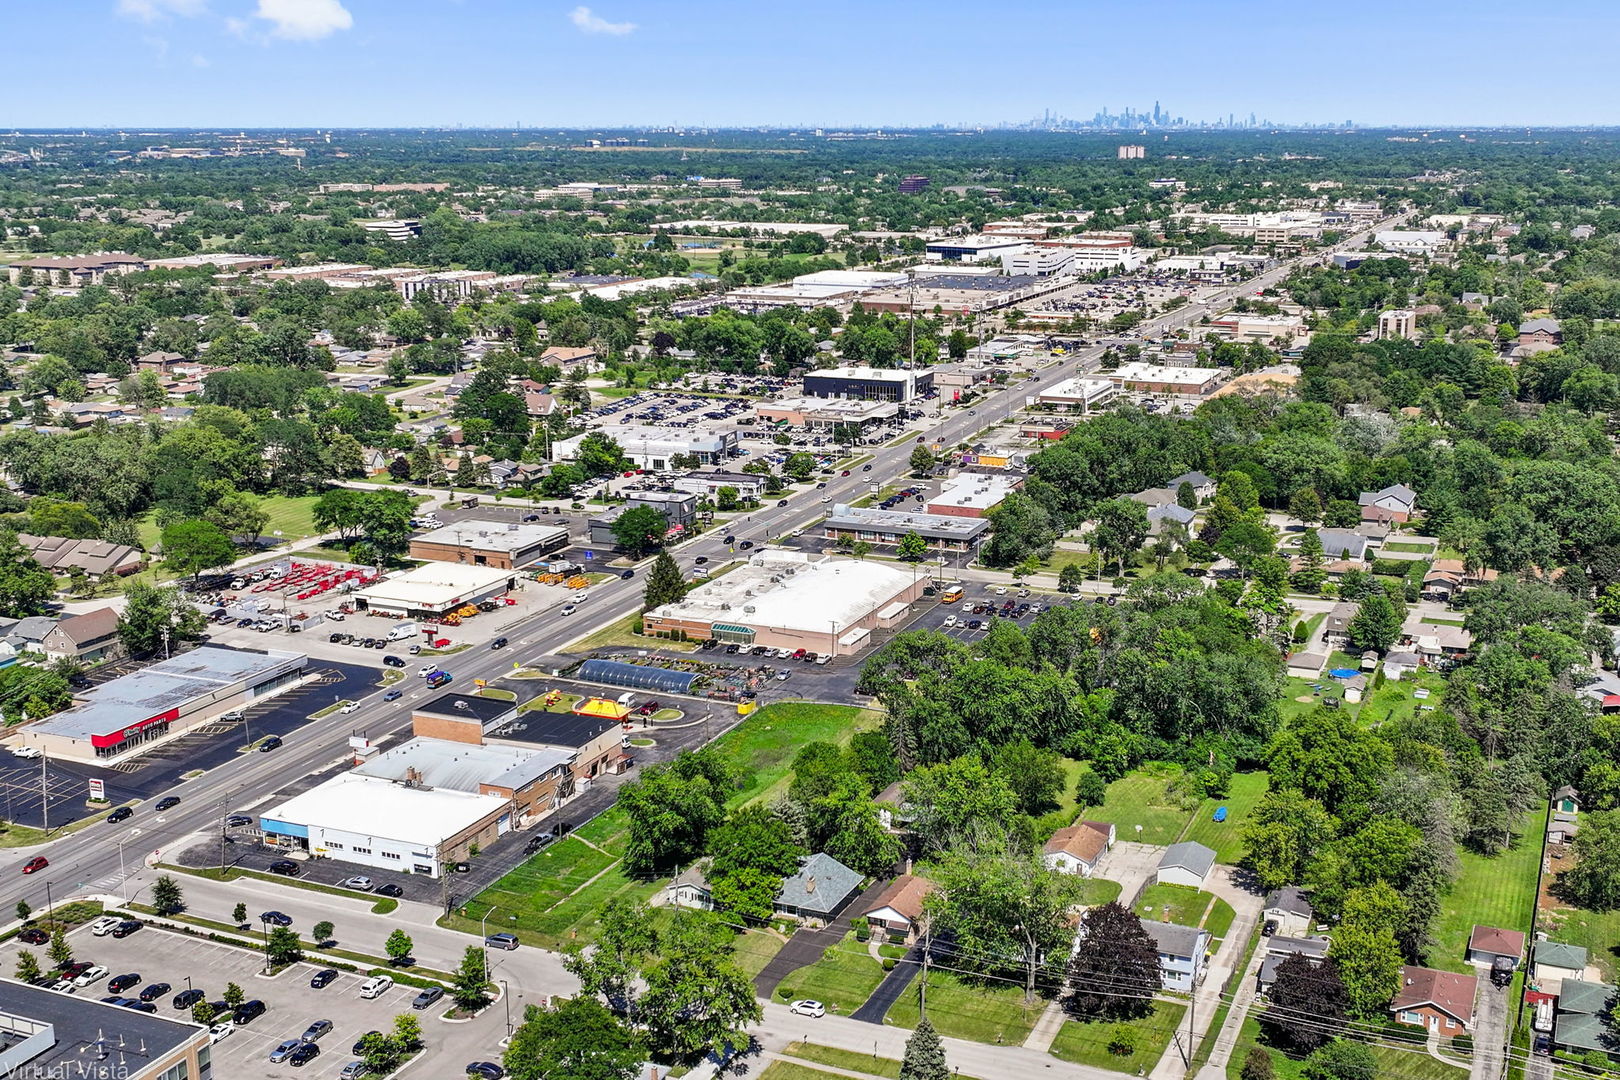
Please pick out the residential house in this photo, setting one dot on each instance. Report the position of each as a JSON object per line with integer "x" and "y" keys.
{"x": 1336, "y": 627}
{"x": 1279, "y": 949}
{"x": 1288, "y": 908}
{"x": 159, "y": 361}
{"x": 1152, "y": 497}
{"x": 1078, "y": 848}
{"x": 1186, "y": 863}
{"x": 819, "y": 890}
{"x": 1342, "y": 544}
{"x": 1566, "y": 800}
{"x": 1553, "y": 962}
{"x": 1487, "y": 944}
{"x": 29, "y": 634}
{"x": 1168, "y": 516}
{"x": 1562, "y": 827}
{"x": 1401, "y": 663}
{"x": 1438, "y": 1001}
{"x": 567, "y": 356}
{"x": 1182, "y": 953}
{"x": 1203, "y": 486}
{"x": 1394, "y": 503}
{"x": 690, "y": 888}
{"x": 898, "y": 909}
{"x": 89, "y": 637}
{"x": 540, "y": 405}
{"x": 1441, "y": 646}
{"x": 98, "y": 558}
{"x": 1584, "y": 1021}
{"x": 1539, "y": 335}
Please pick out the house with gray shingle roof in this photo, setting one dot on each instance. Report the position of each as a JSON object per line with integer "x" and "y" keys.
{"x": 1186, "y": 863}
{"x": 819, "y": 890}
{"x": 1182, "y": 951}
{"x": 1554, "y": 962}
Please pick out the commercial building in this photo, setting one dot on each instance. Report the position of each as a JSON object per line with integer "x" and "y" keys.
{"x": 973, "y": 494}
{"x": 594, "y": 743}
{"x": 1131, "y": 153}
{"x": 377, "y": 822}
{"x": 972, "y": 249}
{"x": 869, "y": 383}
{"x": 708, "y": 484}
{"x": 888, "y": 527}
{"x": 74, "y": 269}
{"x": 815, "y": 413}
{"x": 1237, "y": 326}
{"x": 397, "y": 229}
{"x": 535, "y": 780}
{"x": 46, "y": 1035}
{"x": 1397, "y": 324}
{"x": 313, "y": 272}
{"x": 678, "y": 507}
{"x": 1164, "y": 379}
{"x": 655, "y": 449}
{"x": 125, "y": 715}
{"x": 910, "y": 185}
{"x": 505, "y": 545}
{"x": 792, "y": 599}
{"x": 435, "y": 589}
{"x": 1410, "y": 241}
{"x": 1080, "y": 392}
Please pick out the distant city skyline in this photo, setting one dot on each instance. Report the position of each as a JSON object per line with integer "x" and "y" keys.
{"x": 737, "y": 63}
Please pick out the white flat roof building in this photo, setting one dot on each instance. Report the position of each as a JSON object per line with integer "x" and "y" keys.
{"x": 377, "y": 822}
{"x": 654, "y": 448}
{"x": 435, "y": 588}
{"x": 1085, "y": 392}
{"x": 971, "y": 494}
{"x": 1165, "y": 379}
{"x": 972, "y": 249}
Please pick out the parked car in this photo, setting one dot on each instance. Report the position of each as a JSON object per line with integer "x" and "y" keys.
{"x": 284, "y": 1051}
{"x": 322, "y": 978}
{"x": 91, "y": 974}
{"x": 247, "y": 1012}
{"x": 316, "y": 1029}
{"x": 375, "y": 986}
{"x": 153, "y": 991}
{"x": 427, "y": 997}
{"x": 33, "y": 935}
{"x": 485, "y": 1070}
{"x": 807, "y": 1007}
{"x": 502, "y": 941}
{"x": 185, "y": 999}
{"x": 284, "y": 867}
{"x": 119, "y": 983}
{"x": 304, "y": 1054}
{"x": 359, "y": 882}
{"x": 126, "y": 927}
{"x": 354, "y": 1070}
{"x": 221, "y": 1030}
{"x": 104, "y": 925}
{"x": 389, "y": 890}
{"x": 237, "y": 821}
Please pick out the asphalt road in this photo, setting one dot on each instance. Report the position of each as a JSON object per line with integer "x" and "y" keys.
{"x": 94, "y": 855}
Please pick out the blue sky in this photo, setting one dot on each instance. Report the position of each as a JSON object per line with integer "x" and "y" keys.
{"x": 557, "y": 63}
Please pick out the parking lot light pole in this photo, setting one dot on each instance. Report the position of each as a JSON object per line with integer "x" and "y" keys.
{"x": 50, "y": 905}
{"x": 506, "y": 999}
{"x": 264, "y": 925}
{"x": 483, "y": 926}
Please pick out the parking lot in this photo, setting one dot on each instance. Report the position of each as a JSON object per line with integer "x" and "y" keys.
{"x": 291, "y": 1005}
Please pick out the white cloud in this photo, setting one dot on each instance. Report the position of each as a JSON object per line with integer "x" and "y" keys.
{"x": 591, "y": 23}
{"x": 239, "y": 27}
{"x": 304, "y": 20}
{"x": 150, "y": 10}
{"x": 159, "y": 47}
{"x": 199, "y": 60}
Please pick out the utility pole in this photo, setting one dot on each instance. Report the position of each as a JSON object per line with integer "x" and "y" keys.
{"x": 44, "y": 791}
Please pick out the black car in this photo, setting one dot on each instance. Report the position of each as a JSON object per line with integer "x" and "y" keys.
{"x": 427, "y": 997}
{"x": 322, "y": 978}
{"x": 781, "y": 502}
{"x": 701, "y": 560}
{"x": 126, "y": 928}
{"x": 123, "y": 813}
{"x": 141, "y": 1006}
{"x": 270, "y": 744}
{"x": 531, "y": 517}
{"x": 393, "y": 661}
{"x": 305, "y": 1053}
{"x": 119, "y": 983}
{"x": 185, "y": 999}
{"x": 1269, "y": 928}
{"x": 498, "y": 643}
{"x": 284, "y": 867}
{"x": 34, "y": 936}
{"x": 237, "y": 821}
{"x": 153, "y": 991}
{"x": 485, "y": 1070}
{"x": 746, "y": 544}
{"x": 168, "y": 802}
{"x": 247, "y": 1012}
{"x": 276, "y": 918}
{"x": 334, "y": 638}
{"x": 627, "y": 575}
{"x": 388, "y": 890}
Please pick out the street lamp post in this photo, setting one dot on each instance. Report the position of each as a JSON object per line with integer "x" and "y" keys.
{"x": 483, "y": 926}
{"x": 506, "y": 999}
{"x": 50, "y": 905}
{"x": 264, "y": 924}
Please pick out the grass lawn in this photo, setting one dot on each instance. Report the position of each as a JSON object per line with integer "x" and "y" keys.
{"x": 754, "y": 949}
{"x": 1062, "y": 557}
{"x": 1394, "y": 699}
{"x": 1225, "y": 836}
{"x": 1430, "y": 620}
{"x": 1597, "y": 931}
{"x": 291, "y": 518}
{"x": 792, "y": 1070}
{"x": 1408, "y": 547}
{"x": 844, "y": 1059}
{"x": 563, "y": 704}
{"x": 842, "y": 979}
{"x": 1096, "y": 890}
{"x": 1087, "y": 1043}
{"x": 1397, "y": 1060}
{"x": 988, "y": 1012}
{"x": 765, "y": 743}
{"x": 1143, "y": 798}
{"x": 1498, "y": 891}
{"x": 620, "y": 634}
{"x": 1187, "y": 907}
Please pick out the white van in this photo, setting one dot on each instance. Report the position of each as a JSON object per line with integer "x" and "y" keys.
{"x": 376, "y": 986}
{"x": 402, "y": 631}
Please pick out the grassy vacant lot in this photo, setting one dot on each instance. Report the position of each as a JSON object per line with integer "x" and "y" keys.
{"x": 1498, "y": 891}
{"x": 1087, "y": 1043}
{"x": 988, "y": 1012}
{"x": 1597, "y": 931}
{"x": 1143, "y": 798}
{"x": 1396, "y": 1060}
{"x": 1225, "y": 837}
{"x": 290, "y": 519}
{"x": 765, "y": 743}
{"x": 621, "y": 634}
{"x": 842, "y": 979}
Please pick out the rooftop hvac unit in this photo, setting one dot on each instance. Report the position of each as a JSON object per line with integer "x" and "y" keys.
{"x": 748, "y": 609}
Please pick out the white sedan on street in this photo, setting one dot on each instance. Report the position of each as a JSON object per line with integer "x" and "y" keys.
{"x": 808, "y": 1008}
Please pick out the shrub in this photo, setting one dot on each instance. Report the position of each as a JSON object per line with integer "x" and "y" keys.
{"x": 1122, "y": 1040}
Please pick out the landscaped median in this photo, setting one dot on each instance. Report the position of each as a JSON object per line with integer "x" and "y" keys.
{"x": 379, "y": 905}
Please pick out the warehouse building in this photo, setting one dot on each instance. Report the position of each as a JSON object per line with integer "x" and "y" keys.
{"x": 435, "y": 589}
{"x": 1165, "y": 379}
{"x": 888, "y": 527}
{"x": 52, "y": 1035}
{"x": 535, "y": 781}
{"x": 868, "y": 383}
{"x": 792, "y": 599}
{"x": 655, "y": 449}
{"x": 595, "y": 743}
{"x": 128, "y": 714}
{"x": 502, "y": 545}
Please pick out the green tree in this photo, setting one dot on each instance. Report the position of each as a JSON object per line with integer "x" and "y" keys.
{"x": 697, "y": 1001}
{"x": 1594, "y": 881}
{"x": 600, "y": 455}
{"x": 166, "y": 896}
{"x": 190, "y": 547}
{"x": 203, "y": 1013}
{"x": 1305, "y": 505}
{"x": 1090, "y": 789}
{"x": 1257, "y": 1065}
{"x": 60, "y": 952}
{"x": 407, "y": 1033}
{"x": 27, "y": 966}
{"x": 380, "y": 1053}
{"x": 1246, "y": 543}
{"x": 24, "y": 909}
{"x": 912, "y": 548}
{"x": 726, "y": 498}
{"x": 578, "y": 1039}
{"x": 1376, "y": 624}
{"x": 156, "y": 618}
{"x": 1021, "y": 527}
{"x": 239, "y": 913}
{"x": 283, "y": 947}
{"x": 398, "y": 946}
{"x": 470, "y": 987}
{"x": 1341, "y": 1059}
{"x": 922, "y": 460}
{"x": 1070, "y": 578}
{"x": 1121, "y": 527}
{"x": 640, "y": 529}
{"x": 753, "y": 852}
{"x": 1186, "y": 497}
{"x": 25, "y": 585}
{"x": 322, "y": 931}
{"x": 953, "y": 801}
{"x": 672, "y": 808}
{"x": 625, "y": 938}
{"x": 665, "y": 585}
{"x": 1369, "y": 965}
{"x": 925, "y": 1055}
{"x": 1285, "y": 830}
{"x": 1115, "y": 968}
{"x": 1310, "y": 576}
{"x": 233, "y": 995}
{"x": 1035, "y": 775}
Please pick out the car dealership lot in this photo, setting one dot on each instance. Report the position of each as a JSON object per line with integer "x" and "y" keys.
{"x": 291, "y": 1004}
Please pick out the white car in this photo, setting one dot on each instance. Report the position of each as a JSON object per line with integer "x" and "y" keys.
{"x": 824, "y": 658}
{"x": 808, "y": 1008}
{"x": 63, "y": 986}
{"x": 376, "y": 986}
{"x": 359, "y": 882}
{"x": 91, "y": 975}
{"x": 1001, "y": 590}
{"x": 221, "y": 1030}
{"x": 568, "y": 609}
{"x": 336, "y": 616}
{"x": 350, "y": 707}
{"x": 27, "y": 753}
{"x": 950, "y": 620}
{"x": 104, "y": 925}
{"x": 425, "y": 670}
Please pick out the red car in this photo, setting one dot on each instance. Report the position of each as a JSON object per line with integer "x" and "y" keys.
{"x": 38, "y": 862}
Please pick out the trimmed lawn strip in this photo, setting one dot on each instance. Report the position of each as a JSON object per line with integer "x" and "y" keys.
{"x": 620, "y": 633}
{"x": 1492, "y": 891}
{"x": 790, "y": 1070}
{"x": 1143, "y": 798}
{"x": 987, "y": 1012}
{"x": 1396, "y": 1061}
{"x": 1225, "y": 837}
{"x": 844, "y": 1059}
{"x": 1086, "y": 1042}
{"x": 232, "y": 873}
{"x": 842, "y": 979}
